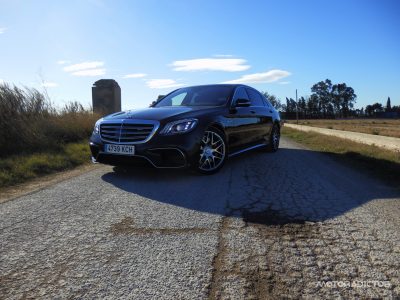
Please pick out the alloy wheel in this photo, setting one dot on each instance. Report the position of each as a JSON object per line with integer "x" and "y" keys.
{"x": 212, "y": 151}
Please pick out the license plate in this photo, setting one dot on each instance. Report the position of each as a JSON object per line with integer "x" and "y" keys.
{"x": 120, "y": 149}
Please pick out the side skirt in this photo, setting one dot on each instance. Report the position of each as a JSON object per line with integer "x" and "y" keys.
{"x": 247, "y": 149}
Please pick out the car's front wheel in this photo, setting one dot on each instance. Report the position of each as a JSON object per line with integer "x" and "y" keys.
{"x": 212, "y": 154}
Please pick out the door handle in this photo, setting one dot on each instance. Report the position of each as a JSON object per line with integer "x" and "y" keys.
{"x": 270, "y": 111}
{"x": 252, "y": 111}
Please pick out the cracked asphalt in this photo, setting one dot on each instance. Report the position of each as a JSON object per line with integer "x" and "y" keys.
{"x": 292, "y": 224}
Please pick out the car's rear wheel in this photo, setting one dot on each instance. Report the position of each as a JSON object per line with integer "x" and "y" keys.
{"x": 274, "y": 139}
{"x": 212, "y": 154}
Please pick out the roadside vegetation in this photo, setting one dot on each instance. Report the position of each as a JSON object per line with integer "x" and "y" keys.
{"x": 330, "y": 101}
{"x": 385, "y": 127}
{"x": 36, "y": 138}
{"x": 381, "y": 163}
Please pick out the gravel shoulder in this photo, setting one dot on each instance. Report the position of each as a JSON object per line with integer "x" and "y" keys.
{"x": 290, "y": 224}
{"x": 387, "y": 142}
{"x": 31, "y": 186}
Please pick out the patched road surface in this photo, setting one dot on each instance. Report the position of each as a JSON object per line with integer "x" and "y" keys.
{"x": 293, "y": 224}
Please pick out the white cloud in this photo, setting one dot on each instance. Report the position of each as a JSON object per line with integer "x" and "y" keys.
{"x": 211, "y": 64}
{"x": 63, "y": 62}
{"x": 2, "y": 30}
{"x": 90, "y": 72}
{"x": 223, "y": 55}
{"x": 88, "y": 68}
{"x": 162, "y": 83}
{"x": 83, "y": 66}
{"x": 270, "y": 76}
{"x": 48, "y": 84}
{"x": 135, "y": 75}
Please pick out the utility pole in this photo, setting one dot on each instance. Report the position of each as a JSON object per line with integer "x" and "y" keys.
{"x": 297, "y": 110}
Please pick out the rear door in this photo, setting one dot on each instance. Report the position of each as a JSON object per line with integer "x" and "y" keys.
{"x": 261, "y": 128}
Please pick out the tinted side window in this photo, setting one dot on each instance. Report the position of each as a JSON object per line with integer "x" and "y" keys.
{"x": 255, "y": 98}
{"x": 240, "y": 93}
{"x": 266, "y": 101}
{"x": 177, "y": 100}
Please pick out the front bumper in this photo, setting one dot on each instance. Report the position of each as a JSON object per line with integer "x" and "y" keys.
{"x": 170, "y": 151}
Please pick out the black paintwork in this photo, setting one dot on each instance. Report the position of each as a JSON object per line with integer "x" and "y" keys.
{"x": 243, "y": 126}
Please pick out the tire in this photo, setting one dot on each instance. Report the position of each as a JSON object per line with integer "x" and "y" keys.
{"x": 274, "y": 138}
{"x": 212, "y": 152}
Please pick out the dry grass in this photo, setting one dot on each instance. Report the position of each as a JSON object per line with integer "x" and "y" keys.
{"x": 29, "y": 123}
{"x": 37, "y": 139}
{"x": 385, "y": 127}
{"x": 375, "y": 161}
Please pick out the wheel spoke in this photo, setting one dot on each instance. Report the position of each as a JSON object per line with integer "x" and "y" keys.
{"x": 212, "y": 151}
{"x": 216, "y": 142}
{"x": 204, "y": 162}
{"x": 218, "y": 147}
{"x": 219, "y": 153}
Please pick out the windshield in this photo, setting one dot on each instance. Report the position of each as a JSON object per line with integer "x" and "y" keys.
{"x": 215, "y": 95}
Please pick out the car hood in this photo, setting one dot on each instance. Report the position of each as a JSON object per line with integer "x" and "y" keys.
{"x": 160, "y": 113}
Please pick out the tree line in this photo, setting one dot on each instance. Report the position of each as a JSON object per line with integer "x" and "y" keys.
{"x": 329, "y": 100}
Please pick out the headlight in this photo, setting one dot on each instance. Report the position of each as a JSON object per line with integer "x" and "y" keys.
{"x": 96, "y": 129}
{"x": 180, "y": 126}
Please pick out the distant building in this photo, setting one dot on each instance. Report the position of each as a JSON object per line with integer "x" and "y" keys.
{"x": 106, "y": 96}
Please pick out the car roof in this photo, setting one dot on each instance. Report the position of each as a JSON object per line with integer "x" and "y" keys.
{"x": 216, "y": 84}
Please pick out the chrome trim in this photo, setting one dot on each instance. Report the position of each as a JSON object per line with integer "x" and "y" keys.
{"x": 246, "y": 149}
{"x": 156, "y": 126}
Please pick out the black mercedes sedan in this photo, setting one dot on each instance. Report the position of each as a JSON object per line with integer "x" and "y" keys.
{"x": 197, "y": 127}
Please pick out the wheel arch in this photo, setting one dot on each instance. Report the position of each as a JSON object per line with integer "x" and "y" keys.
{"x": 218, "y": 126}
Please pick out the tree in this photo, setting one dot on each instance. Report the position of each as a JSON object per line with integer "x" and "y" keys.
{"x": 343, "y": 98}
{"x": 337, "y": 99}
{"x": 388, "y": 105}
{"x": 369, "y": 110}
{"x": 313, "y": 106}
{"x": 290, "y": 105}
{"x": 323, "y": 91}
{"x": 396, "y": 108}
{"x": 302, "y": 106}
{"x": 377, "y": 107}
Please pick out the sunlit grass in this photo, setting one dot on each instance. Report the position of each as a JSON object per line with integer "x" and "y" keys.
{"x": 378, "y": 162}
{"x": 20, "y": 168}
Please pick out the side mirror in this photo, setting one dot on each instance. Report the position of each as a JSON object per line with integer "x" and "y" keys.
{"x": 153, "y": 103}
{"x": 242, "y": 102}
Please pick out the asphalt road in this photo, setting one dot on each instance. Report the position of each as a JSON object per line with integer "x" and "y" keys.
{"x": 289, "y": 224}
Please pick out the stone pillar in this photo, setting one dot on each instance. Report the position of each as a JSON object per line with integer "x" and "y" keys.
{"x": 106, "y": 96}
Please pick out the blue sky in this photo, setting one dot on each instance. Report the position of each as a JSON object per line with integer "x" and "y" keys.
{"x": 150, "y": 47}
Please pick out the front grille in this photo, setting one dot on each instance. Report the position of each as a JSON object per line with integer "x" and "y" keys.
{"x": 126, "y": 133}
